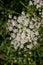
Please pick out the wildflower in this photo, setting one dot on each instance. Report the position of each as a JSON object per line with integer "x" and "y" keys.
{"x": 15, "y": 17}
{"x": 38, "y": 6}
{"x": 10, "y": 16}
{"x": 30, "y": 46}
{"x": 10, "y": 28}
{"x": 24, "y": 30}
{"x": 30, "y": 3}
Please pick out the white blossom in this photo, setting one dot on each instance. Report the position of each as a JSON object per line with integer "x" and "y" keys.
{"x": 23, "y": 13}
{"x": 36, "y": 33}
{"x": 10, "y": 28}
{"x": 30, "y": 46}
{"x": 10, "y": 16}
{"x": 37, "y": 1}
{"x": 30, "y": 3}
{"x": 24, "y": 30}
{"x": 15, "y": 17}
{"x": 38, "y": 6}
{"x": 12, "y": 35}
{"x": 19, "y": 19}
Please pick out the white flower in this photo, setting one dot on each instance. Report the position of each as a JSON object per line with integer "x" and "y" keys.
{"x": 26, "y": 22}
{"x": 10, "y": 28}
{"x": 35, "y": 3}
{"x": 15, "y": 30}
{"x": 22, "y": 41}
{"x": 33, "y": 19}
{"x": 31, "y": 26}
{"x": 23, "y": 13}
{"x": 19, "y": 20}
{"x": 19, "y": 26}
{"x": 12, "y": 42}
{"x": 41, "y": 3}
{"x": 30, "y": 53}
{"x": 23, "y": 35}
{"x": 32, "y": 35}
{"x": 30, "y": 3}
{"x": 10, "y": 16}
{"x": 17, "y": 37}
{"x": 15, "y": 17}
{"x": 15, "y": 61}
{"x": 29, "y": 59}
{"x": 12, "y": 35}
{"x": 20, "y": 31}
{"x": 38, "y": 6}
{"x": 38, "y": 1}
{"x": 35, "y": 39}
{"x": 24, "y": 30}
{"x": 29, "y": 39}
{"x": 13, "y": 22}
{"x": 36, "y": 33}
{"x": 30, "y": 46}
{"x": 28, "y": 31}
{"x": 35, "y": 43}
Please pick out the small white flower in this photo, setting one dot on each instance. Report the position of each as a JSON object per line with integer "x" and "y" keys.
{"x": 30, "y": 3}
{"x": 26, "y": 22}
{"x": 12, "y": 35}
{"x": 23, "y": 35}
{"x": 30, "y": 46}
{"x": 18, "y": 37}
{"x": 41, "y": 3}
{"x": 15, "y": 17}
{"x": 10, "y": 16}
{"x": 30, "y": 53}
{"x": 19, "y": 53}
{"x": 25, "y": 55}
{"x": 36, "y": 33}
{"x": 35, "y": 3}
{"x": 38, "y": 1}
{"x": 19, "y": 20}
{"x": 19, "y": 26}
{"x": 28, "y": 31}
{"x": 15, "y": 60}
{"x": 33, "y": 19}
{"x": 15, "y": 30}
{"x": 35, "y": 43}
{"x": 12, "y": 42}
{"x": 35, "y": 39}
{"x": 31, "y": 26}
{"x": 23, "y": 13}
{"x": 20, "y": 31}
{"x": 38, "y": 25}
{"x": 38, "y": 6}
{"x": 29, "y": 59}
{"x": 10, "y": 28}
{"x": 13, "y": 22}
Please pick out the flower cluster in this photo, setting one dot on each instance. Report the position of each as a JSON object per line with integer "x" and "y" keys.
{"x": 38, "y": 3}
{"x": 24, "y": 30}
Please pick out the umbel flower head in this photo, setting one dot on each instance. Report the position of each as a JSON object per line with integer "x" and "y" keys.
{"x": 24, "y": 30}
